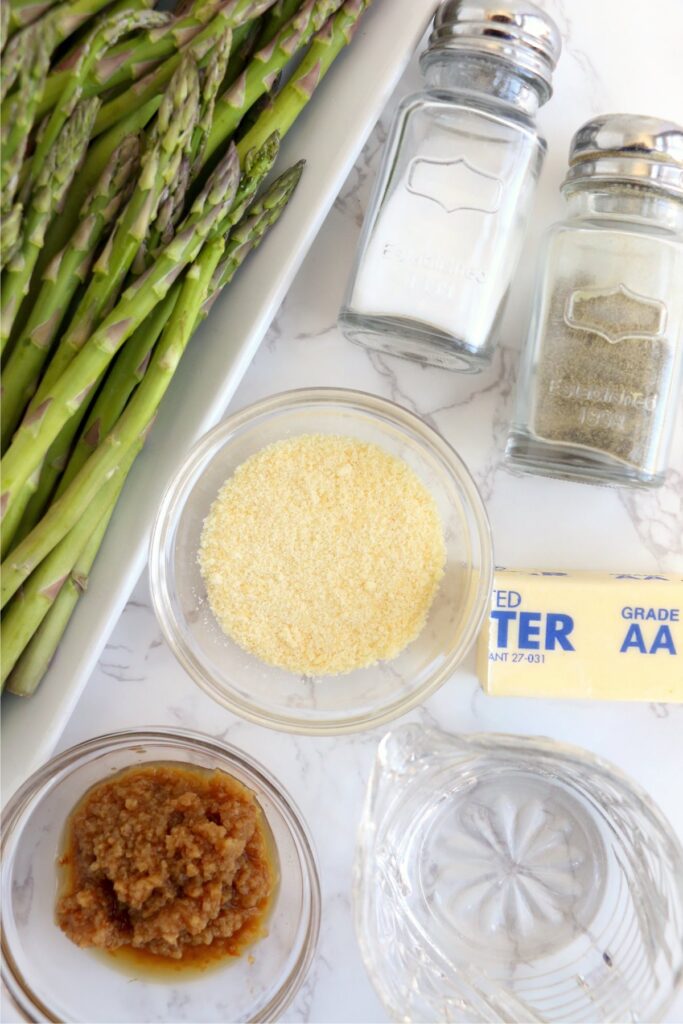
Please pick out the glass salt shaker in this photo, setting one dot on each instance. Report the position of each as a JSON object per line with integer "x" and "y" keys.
{"x": 445, "y": 226}
{"x": 601, "y": 378}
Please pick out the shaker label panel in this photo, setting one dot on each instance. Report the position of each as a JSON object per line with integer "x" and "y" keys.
{"x": 616, "y": 313}
{"x": 454, "y": 185}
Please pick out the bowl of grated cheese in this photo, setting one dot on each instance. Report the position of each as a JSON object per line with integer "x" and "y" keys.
{"x": 321, "y": 562}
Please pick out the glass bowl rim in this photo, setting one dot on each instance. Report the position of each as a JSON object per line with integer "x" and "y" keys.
{"x": 39, "y": 784}
{"x": 180, "y": 489}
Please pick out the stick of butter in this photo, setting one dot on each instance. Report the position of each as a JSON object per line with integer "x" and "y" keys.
{"x": 576, "y": 635}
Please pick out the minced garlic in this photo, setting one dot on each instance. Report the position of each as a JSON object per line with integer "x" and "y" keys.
{"x": 322, "y": 554}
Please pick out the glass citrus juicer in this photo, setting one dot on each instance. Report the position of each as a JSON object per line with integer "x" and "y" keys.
{"x": 501, "y": 878}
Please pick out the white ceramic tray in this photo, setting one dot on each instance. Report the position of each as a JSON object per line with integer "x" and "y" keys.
{"x": 329, "y": 134}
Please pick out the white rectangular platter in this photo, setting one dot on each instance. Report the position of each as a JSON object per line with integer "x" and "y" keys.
{"x": 329, "y": 135}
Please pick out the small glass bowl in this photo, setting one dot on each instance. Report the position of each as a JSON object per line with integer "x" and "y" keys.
{"x": 326, "y": 704}
{"x": 49, "y": 978}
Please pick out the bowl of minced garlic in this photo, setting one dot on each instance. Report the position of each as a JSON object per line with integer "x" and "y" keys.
{"x": 155, "y": 875}
{"x": 321, "y": 562}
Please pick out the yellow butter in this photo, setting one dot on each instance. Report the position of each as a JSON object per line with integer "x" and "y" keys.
{"x": 577, "y": 635}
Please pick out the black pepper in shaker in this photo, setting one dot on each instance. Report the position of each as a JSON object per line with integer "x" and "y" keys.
{"x": 601, "y": 379}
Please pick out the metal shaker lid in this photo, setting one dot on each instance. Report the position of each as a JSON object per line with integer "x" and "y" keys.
{"x": 515, "y": 31}
{"x": 630, "y": 148}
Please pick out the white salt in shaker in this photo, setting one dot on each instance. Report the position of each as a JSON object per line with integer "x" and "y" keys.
{"x": 446, "y": 222}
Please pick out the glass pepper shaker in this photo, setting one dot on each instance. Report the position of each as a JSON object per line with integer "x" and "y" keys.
{"x": 601, "y": 378}
{"x": 445, "y": 226}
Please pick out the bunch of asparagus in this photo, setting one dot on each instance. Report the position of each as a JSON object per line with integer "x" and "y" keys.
{"x": 135, "y": 150}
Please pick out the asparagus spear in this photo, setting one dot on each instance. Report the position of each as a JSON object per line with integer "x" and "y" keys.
{"x": 74, "y": 52}
{"x": 36, "y": 657}
{"x": 230, "y": 15}
{"x": 19, "y": 110}
{"x": 59, "y": 464}
{"x": 30, "y": 607}
{"x": 277, "y": 17}
{"x": 102, "y": 148}
{"x": 4, "y": 23}
{"x": 243, "y": 41}
{"x": 212, "y": 78}
{"x": 40, "y": 428}
{"x": 67, "y": 271}
{"x": 263, "y": 103}
{"x": 51, "y": 185}
{"x": 266, "y": 65}
{"x": 70, "y": 16}
{"x": 99, "y": 41}
{"x": 160, "y": 162}
{"x": 10, "y": 236}
{"x": 59, "y": 23}
{"x": 23, "y": 12}
{"x": 31, "y": 61}
{"x": 173, "y": 199}
{"x": 21, "y": 51}
{"x": 98, "y": 156}
{"x": 326, "y": 46}
{"x": 126, "y": 373}
{"x": 128, "y": 61}
{"x": 37, "y": 495}
{"x": 259, "y": 217}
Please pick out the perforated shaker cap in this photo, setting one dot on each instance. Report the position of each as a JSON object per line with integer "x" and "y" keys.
{"x": 630, "y": 148}
{"x": 515, "y": 31}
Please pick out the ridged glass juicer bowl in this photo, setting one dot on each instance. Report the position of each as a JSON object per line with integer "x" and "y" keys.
{"x": 501, "y": 878}
{"x": 277, "y": 698}
{"x": 50, "y": 978}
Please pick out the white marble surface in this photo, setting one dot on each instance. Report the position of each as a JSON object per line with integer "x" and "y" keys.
{"x": 619, "y": 55}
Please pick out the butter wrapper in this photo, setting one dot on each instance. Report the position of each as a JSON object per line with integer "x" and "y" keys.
{"x": 578, "y": 635}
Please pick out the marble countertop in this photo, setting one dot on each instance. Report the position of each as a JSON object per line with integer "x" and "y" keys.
{"x": 618, "y": 56}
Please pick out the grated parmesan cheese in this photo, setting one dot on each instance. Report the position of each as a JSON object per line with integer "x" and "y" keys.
{"x": 322, "y": 554}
